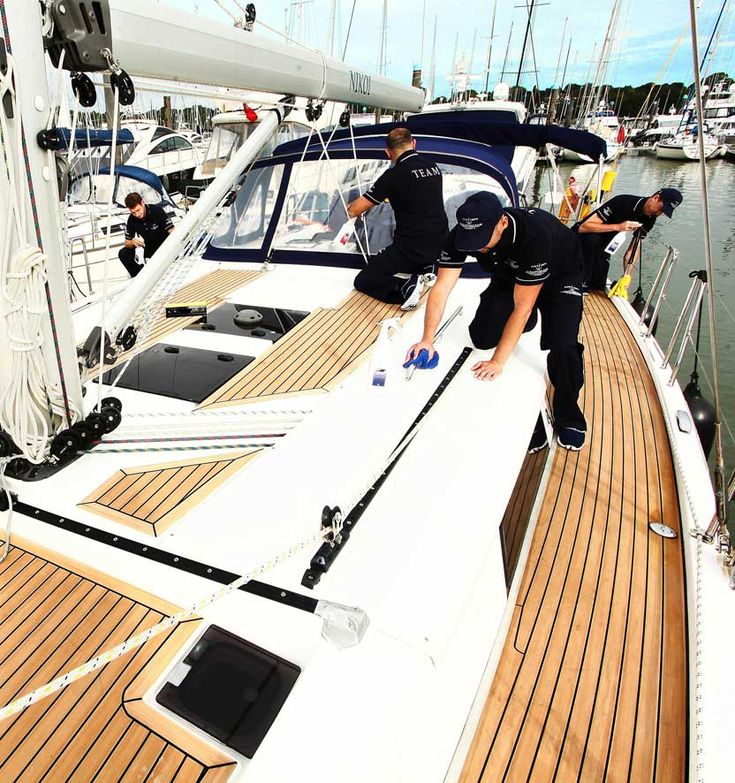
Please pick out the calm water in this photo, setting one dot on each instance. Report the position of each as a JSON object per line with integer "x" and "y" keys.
{"x": 643, "y": 175}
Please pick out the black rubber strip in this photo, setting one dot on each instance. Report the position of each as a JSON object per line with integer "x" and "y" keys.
{"x": 277, "y": 594}
{"x": 326, "y": 554}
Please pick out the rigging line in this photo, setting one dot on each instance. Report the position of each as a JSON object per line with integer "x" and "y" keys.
{"x": 105, "y": 275}
{"x": 339, "y": 189}
{"x": 193, "y": 447}
{"x": 139, "y": 639}
{"x": 720, "y": 489}
{"x": 349, "y": 29}
{"x": 359, "y": 187}
{"x": 723, "y": 302}
{"x": 9, "y": 499}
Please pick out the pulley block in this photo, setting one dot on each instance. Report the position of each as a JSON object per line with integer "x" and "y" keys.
{"x": 65, "y": 445}
{"x": 121, "y": 81}
{"x": 84, "y": 90}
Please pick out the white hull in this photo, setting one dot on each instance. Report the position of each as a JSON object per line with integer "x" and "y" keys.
{"x": 668, "y": 151}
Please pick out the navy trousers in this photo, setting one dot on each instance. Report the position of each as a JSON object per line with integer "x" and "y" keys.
{"x": 378, "y": 279}
{"x": 561, "y": 313}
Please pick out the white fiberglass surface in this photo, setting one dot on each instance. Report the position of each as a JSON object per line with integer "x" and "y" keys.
{"x": 425, "y": 561}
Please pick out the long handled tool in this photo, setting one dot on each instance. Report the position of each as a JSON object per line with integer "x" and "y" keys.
{"x": 429, "y": 364}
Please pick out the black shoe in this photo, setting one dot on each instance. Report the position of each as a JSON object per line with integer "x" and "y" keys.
{"x": 538, "y": 441}
{"x": 570, "y": 438}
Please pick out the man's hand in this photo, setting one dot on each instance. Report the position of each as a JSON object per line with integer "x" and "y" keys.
{"x": 137, "y": 242}
{"x": 488, "y": 370}
{"x": 416, "y": 349}
{"x": 629, "y": 225}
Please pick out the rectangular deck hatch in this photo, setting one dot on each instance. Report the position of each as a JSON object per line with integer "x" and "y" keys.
{"x": 231, "y": 689}
{"x": 274, "y": 324}
{"x": 184, "y": 373}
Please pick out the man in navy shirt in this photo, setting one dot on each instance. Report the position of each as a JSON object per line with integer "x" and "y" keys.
{"x": 148, "y": 226}
{"x": 621, "y": 213}
{"x": 413, "y": 186}
{"x": 536, "y": 266}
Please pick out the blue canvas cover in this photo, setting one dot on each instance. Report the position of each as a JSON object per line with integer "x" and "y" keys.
{"x": 459, "y": 152}
{"x": 479, "y": 126}
{"x": 86, "y": 139}
{"x": 139, "y": 174}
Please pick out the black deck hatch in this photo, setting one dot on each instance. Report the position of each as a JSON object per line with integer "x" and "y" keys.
{"x": 233, "y": 689}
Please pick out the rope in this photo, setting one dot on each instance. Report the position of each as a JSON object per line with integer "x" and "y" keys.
{"x": 139, "y": 639}
{"x": 206, "y": 447}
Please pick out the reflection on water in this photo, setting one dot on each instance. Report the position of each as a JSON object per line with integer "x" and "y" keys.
{"x": 643, "y": 175}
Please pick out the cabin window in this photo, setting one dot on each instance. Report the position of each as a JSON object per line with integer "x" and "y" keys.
{"x": 244, "y": 225}
{"x": 167, "y": 145}
{"x": 315, "y": 208}
{"x": 127, "y": 185}
{"x": 180, "y": 143}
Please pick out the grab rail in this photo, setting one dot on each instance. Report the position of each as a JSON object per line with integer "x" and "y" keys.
{"x": 685, "y": 322}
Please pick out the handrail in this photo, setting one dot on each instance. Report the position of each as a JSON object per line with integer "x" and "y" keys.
{"x": 86, "y": 260}
{"x": 688, "y": 315}
{"x": 659, "y": 290}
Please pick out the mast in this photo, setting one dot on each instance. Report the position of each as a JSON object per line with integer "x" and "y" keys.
{"x": 330, "y": 31}
{"x": 432, "y": 80}
{"x": 454, "y": 66}
{"x": 38, "y": 200}
{"x": 383, "y": 38}
{"x": 525, "y": 41}
{"x": 507, "y": 49}
{"x": 490, "y": 47}
{"x": 561, "y": 49}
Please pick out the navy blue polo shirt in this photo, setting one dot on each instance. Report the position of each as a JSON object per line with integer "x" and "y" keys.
{"x": 413, "y": 186}
{"x": 153, "y": 228}
{"x": 534, "y": 248}
{"x": 617, "y": 210}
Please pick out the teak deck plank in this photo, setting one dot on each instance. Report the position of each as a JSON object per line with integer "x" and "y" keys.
{"x": 314, "y": 356}
{"x": 151, "y": 498}
{"x": 212, "y": 288}
{"x": 592, "y": 683}
{"x": 97, "y": 728}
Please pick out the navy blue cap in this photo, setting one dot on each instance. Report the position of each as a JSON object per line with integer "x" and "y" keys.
{"x": 476, "y": 221}
{"x": 671, "y": 198}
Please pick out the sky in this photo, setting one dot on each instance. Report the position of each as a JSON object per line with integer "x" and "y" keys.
{"x": 646, "y": 33}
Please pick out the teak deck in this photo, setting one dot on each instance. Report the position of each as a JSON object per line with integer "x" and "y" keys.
{"x": 150, "y": 498}
{"x": 313, "y": 356}
{"x": 592, "y": 683}
{"x": 212, "y": 288}
{"x": 56, "y": 615}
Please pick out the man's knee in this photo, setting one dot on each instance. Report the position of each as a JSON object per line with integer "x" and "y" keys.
{"x": 484, "y": 335}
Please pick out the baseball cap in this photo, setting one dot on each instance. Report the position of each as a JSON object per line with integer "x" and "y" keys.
{"x": 476, "y": 221}
{"x": 671, "y": 198}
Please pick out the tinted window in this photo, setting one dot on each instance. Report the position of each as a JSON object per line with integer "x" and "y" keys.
{"x": 167, "y": 145}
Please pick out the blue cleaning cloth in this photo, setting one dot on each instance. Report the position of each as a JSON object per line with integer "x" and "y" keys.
{"x": 422, "y": 361}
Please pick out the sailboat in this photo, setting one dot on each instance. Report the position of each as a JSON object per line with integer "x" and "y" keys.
{"x": 255, "y": 551}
